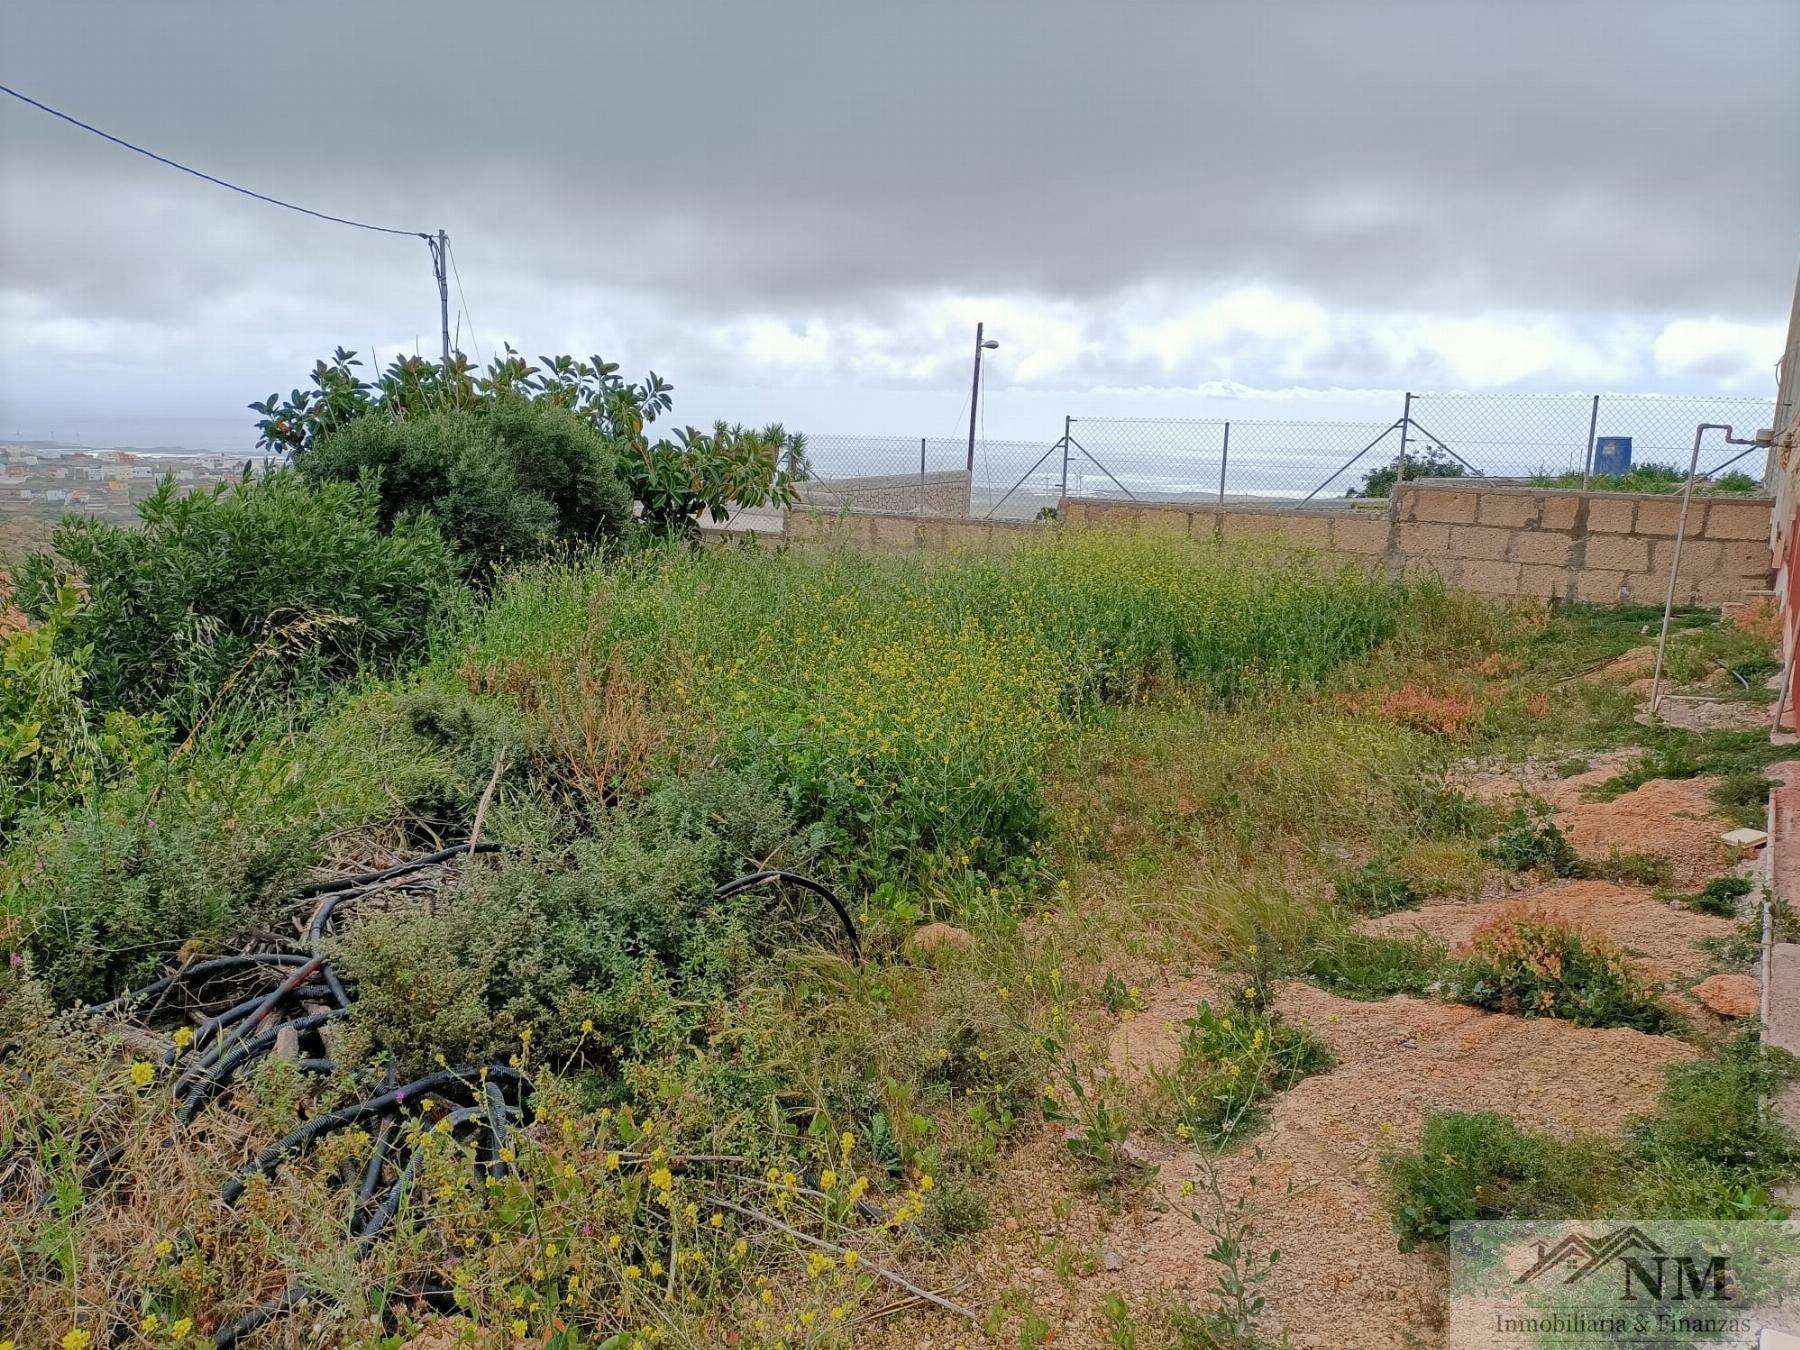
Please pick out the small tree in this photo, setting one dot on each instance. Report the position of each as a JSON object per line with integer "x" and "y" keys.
{"x": 511, "y": 482}
{"x": 674, "y": 479}
{"x": 1431, "y": 462}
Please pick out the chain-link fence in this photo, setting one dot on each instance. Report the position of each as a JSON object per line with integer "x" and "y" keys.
{"x": 1569, "y": 440}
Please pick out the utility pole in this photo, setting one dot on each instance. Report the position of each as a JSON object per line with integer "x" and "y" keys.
{"x": 975, "y": 390}
{"x": 440, "y": 267}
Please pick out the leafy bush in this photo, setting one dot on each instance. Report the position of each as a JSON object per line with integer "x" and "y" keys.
{"x": 1421, "y": 462}
{"x": 510, "y": 482}
{"x": 51, "y": 751}
{"x": 954, "y": 1211}
{"x": 255, "y": 591}
{"x": 1229, "y": 1062}
{"x": 192, "y": 848}
{"x": 673, "y": 480}
{"x": 1531, "y": 965}
{"x": 1479, "y": 1165}
{"x": 1531, "y": 841}
{"x": 604, "y": 957}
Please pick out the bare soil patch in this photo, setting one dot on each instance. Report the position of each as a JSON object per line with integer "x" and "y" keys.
{"x": 1341, "y": 1280}
{"x": 1674, "y": 818}
{"x": 1663, "y": 940}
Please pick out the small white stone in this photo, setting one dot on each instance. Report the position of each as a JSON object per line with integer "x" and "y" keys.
{"x": 1745, "y": 838}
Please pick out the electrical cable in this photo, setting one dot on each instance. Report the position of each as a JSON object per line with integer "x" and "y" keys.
{"x": 463, "y": 300}
{"x": 207, "y": 177}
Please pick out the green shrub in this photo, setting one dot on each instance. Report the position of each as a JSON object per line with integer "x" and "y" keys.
{"x": 954, "y": 1211}
{"x": 1530, "y": 841}
{"x": 1529, "y": 965}
{"x": 256, "y": 590}
{"x": 608, "y": 953}
{"x": 192, "y": 848}
{"x": 1230, "y": 1061}
{"x": 510, "y": 482}
{"x": 1479, "y": 1165}
{"x": 1720, "y": 896}
{"x": 51, "y": 750}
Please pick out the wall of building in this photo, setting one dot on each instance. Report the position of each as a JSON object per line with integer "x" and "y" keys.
{"x": 1605, "y": 547}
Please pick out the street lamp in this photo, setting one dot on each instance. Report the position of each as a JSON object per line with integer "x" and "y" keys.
{"x": 975, "y": 391}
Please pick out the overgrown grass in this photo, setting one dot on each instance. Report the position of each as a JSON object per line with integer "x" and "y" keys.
{"x": 1658, "y": 478}
{"x": 1530, "y": 965}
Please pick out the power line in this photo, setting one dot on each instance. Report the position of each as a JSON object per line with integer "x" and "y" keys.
{"x": 463, "y": 300}
{"x": 207, "y": 177}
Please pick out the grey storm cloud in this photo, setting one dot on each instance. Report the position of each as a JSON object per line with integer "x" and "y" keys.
{"x": 656, "y": 173}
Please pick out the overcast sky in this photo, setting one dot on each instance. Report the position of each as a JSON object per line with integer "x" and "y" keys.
{"x": 797, "y": 212}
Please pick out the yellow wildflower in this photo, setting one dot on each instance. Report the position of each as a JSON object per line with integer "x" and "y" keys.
{"x": 184, "y": 1037}
{"x": 143, "y": 1073}
{"x": 77, "y": 1340}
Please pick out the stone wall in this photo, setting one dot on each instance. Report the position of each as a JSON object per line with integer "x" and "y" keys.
{"x": 1605, "y": 547}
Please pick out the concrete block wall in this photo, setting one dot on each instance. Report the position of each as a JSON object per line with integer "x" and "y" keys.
{"x": 1604, "y": 547}
{"x": 871, "y": 532}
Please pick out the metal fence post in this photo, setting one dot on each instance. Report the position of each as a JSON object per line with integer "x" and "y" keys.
{"x": 1405, "y": 426}
{"x": 1587, "y": 464}
{"x": 921, "y": 475}
{"x": 1224, "y": 458}
{"x": 1065, "y": 449}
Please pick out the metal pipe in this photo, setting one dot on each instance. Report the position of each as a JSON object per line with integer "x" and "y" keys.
{"x": 1587, "y": 464}
{"x": 1224, "y": 458}
{"x": 1687, "y": 496}
{"x": 1065, "y": 464}
{"x": 1405, "y": 426}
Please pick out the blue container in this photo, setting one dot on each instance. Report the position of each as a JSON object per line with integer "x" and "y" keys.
{"x": 1612, "y": 454}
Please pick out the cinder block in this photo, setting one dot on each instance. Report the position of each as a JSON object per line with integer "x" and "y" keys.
{"x": 1609, "y": 515}
{"x": 1599, "y": 586}
{"x": 1661, "y": 516}
{"x": 1488, "y": 578}
{"x": 1737, "y": 520}
{"x": 1308, "y": 530}
{"x": 1480, "y": 541}
{"x": 1360, "y": 536}
{"x": 1542, "y": 547}
{"x": 1541, "y": 580}
{"x": 1558, "y": 510}
{"x": 1748, "y": 558}
{"x": 1418, "y": 539}
{"x": 1617, "y": 554}
{"x": 1164, "y": 520}
{"x": 893, "y": 532}
{"x": 1452, "y": 508}
{"x": 964, "y": 534}
{"x": 1509, "y": 510}
{"x": 1699, "y": 557}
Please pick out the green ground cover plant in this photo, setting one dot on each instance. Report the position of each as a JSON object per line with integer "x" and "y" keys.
{"x": 1531, "y": 965}
{"x": 1711, "y": 1150}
